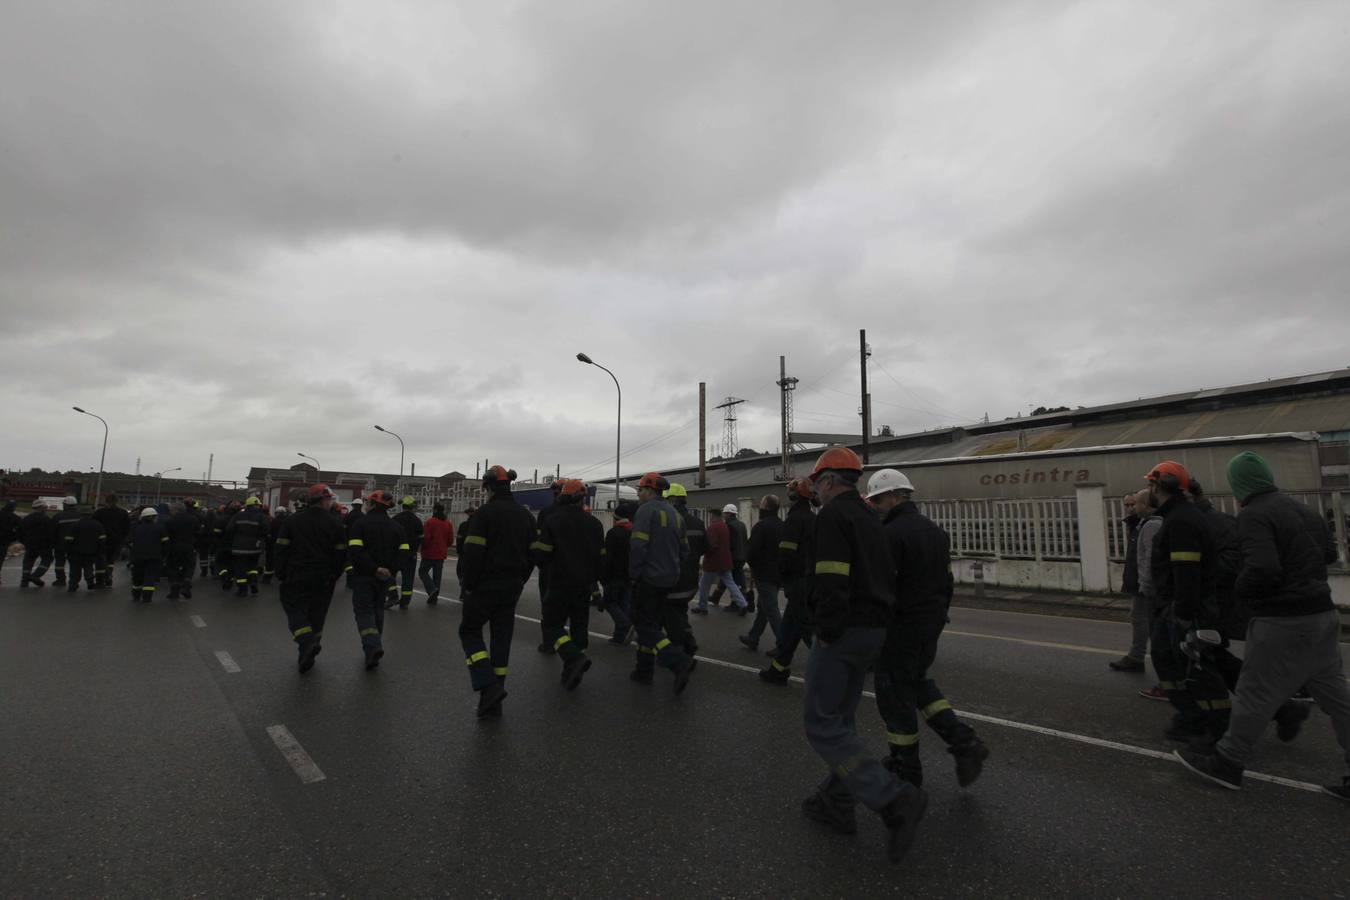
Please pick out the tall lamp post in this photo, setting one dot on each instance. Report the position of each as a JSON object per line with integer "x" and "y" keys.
{"x": 159, "y": 482}
{"x": 318, "y": 470}
{"x": 98, "y": 485}
{"x": 400, "y": 456}
{"x": 618, "y": 420}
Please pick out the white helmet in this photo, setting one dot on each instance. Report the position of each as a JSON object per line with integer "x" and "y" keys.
{"x": 38, "y": 504}
{"x": 149, "y": 512}
{"x": 732, "y": 508}
{"x": 357, "y": 501}
{"x": 69, "y": 501}
{"x": 887, "y": 480}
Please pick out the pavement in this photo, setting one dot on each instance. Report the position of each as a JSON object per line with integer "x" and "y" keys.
{"x": 172, "y": 750}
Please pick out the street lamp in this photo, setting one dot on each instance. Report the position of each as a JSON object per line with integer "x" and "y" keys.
{"x": 318, "y": 470}
{"x": 618, "y": 421}
{"x": 400, "y": 456}
{"x": 159, "y": 482}
{"x": 98, "y": 485}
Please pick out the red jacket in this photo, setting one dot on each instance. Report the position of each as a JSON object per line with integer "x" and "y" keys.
{"x": 437, "y": 536}
{"x": 718, "y": 555}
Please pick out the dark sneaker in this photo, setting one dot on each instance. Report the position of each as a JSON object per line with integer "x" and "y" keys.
{"x": 737, "y": 610}
{"x": 841, "y": 819}
{"x": 390, "y": 603}
{"x": 373, "y": 655}
{"x": 546, "y": 647}
{"x": 970, "y": 759}
{"x": 1154, "y": 693}
{"x": 640, "y": 677}
{"x": 902, "y": 819}
{"x": 1212, "y": 767}
{"x": 774, "y": 675}
{"x": 572, "y": 672}
{"x": 700, "y": 610}
{"x": 749, "y": 642}
{"x": 490, "y": 700}
{"x": 682, "y": 676}
{"x": 253, "y": 589}
{"x": 187, "y": 593}
{"x": 308, "y": 651}
{"x": 431, "y": 601}
{"x": 1289, "y": 720}
{"x": 1127, "y": 664}
{"x": 1339, "y": 791}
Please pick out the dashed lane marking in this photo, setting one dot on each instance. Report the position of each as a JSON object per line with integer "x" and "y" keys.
{"x": 299, "y": 760}
{"x": 1009, "y": 723}
{"x": 227, "y": 662}
{"x": 198, "y": 621}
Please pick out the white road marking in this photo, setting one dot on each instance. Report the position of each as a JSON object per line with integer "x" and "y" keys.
{"x": 1031, "y": 643}
{"x": 227, "y": 662}
{"x": 198, "y": 621}
{"x": 295, "y": 754}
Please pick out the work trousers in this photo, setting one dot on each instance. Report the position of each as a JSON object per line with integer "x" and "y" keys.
{"x": 904, "y": 690}
{"x": 269, "y": 555}
{"x": 61, "y": 557}
{"x": 82, "y": 565}
{"x": 223, "y": 563}
{"x": 244, "y": 569}
{"x": 1141, "y": 623}
{"x": 619, "y": 605}
{"x": 103, "y": 570}
{"x": 661, "y": 629}
{"x": 40, "y": 555}
{"x": 1284, "y": 653}
{"x": 796, "y": 627}
{"x": 492, "y": 604}
{"x": 368, "y": 595}
{"x": 145, "y": 578}
{"x": 1196, "y": 690}
{"x": 204, "y": 556}
{"x": 834, "y": 686}
{"x": 182, "y": 564}
{"x": 566, "y": 615}
{"x": 407, "y": 579}
{"x": 306, "y": 606}
{"x": 708, "y": 579}
{"x": 766, "y": 612}
{"x": 430, "y": 572}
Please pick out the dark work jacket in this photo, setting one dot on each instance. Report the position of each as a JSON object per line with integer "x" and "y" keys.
{"x": 376, "y": 542}
{"x": 9, "y": 527}
{"x": 86, "y": 537}
{"x": 571, "y": 543}
{"x": 696, "y": 538}
{"x": 796, "y": 560}
{"x": 853, "y": 584}
{"x": 412, "y": 527}
{"x": 740, "y": 541}
{"x": 496, "y": 545}
{"x": 921, "y": 552}
{"x": 1286, "y": 548}
{"x": 1184, "y": 563}
{"x": 615, "y": 568}
{"x": 763, "y": 552}
{"x": 63, "y": 522}
{"x": 247, "y": 531}
{"x": 37, "y": 532}
{"x": 116, "y": 522}
{"x": 182, "y": 529}
{"x": 310, "y": 547}
{"x": 1129, "y": 578}
{"x": 148, "y": 541}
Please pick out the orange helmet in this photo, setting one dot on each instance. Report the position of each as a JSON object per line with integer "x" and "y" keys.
{"x": 499, "y": 475}
{"x": 1170, "y": 475}
{"x": 317, "y": 492}
{"x": 572, "y": 487}
{"x": 799, "y": 489}
{"x": 380, "y": 498}
{"x": 655, "y": 481}
{"x": 837, "y": 458}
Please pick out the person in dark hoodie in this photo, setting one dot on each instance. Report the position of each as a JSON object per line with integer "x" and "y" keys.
{"x": 116, "y": 523}
{"x": 571, "y": 543}
{"x": 614, "y": 573}
{"x": 762, "y": 557}
{"x": 696, "y": 543}
{"x": 796, "y": 559}
{"x": 310, "y": 555}
{"x": 37, "y": 532}
{"x": 1293, "y": 637}
{"x": 149, "y": 541}
{"x": 84, "y": 548}
{"x": 411, "y": 523}
{"x": 376, "y": 548}
{"x": 183, "y": 529}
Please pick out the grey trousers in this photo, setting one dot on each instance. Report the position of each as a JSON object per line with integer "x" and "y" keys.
{"x": 1141, "y": 625}
{"x": 834, "y": 685}
{"x": 1283, "y": 654}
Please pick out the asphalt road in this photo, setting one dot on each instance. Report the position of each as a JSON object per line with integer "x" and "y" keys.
{"x": 134, "y": 762}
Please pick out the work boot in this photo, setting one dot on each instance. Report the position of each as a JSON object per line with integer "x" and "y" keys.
{"x": 1289, "y": 720}
{"x": 907, "y": 768}
{"x": 431, "y": 600}
{"x": 546, "y": 647}
{"x": 253, "y": 588}
{"x": 1127, "y": 663}
{"x": 1184, "y": 732}
{"x": 902, "y": 819}
{"x": 774, "y": 675}
{"x": 72, "y": 587}
{"x": 490, "y": 700}
{"x": 241, "y": 590}
{"x": 700, "y": 610}
{"x": 748, "y": 642}
{"x": 187, "y": 592}
{"x": 1339, "y": 791}
{"x": 373, "y": 654}
{"x": 390, "y": 602}
{"x": 818, "y": 808}
{"x": 682, "y": 676}
{"x": 623, "y": 636}
{"x": 60, "y": 578}
{"x": 1213, "y": 767}
{"x": 970, "y": 756}
{"x": 309, "y": 648}
{"x": 135, "y": 595}
{"x": 573, "y": 670}
{"x": 640, "y": 676}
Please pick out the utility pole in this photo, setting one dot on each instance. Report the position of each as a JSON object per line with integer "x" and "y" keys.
{"x": 786, "y": 386}
{"x": 702, "y": 434}
{"x": 866, "y": 398}
{"x": 729, "y": 443}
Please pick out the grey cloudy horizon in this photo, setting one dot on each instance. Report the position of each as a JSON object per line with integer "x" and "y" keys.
{"x": 252, "y": 229}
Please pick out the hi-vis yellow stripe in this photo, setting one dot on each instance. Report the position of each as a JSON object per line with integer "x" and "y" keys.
{"x": 787, "y": 545}
{"x": 356, "y": 542}
{"x": 641, "y": 536}
{"x": 831, "y": 567}
{"x": 1185, "y": 556}
{"x": 476, "y": 539}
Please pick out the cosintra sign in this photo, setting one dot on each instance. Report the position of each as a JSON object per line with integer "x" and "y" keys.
{"x": 1038, "y": 476}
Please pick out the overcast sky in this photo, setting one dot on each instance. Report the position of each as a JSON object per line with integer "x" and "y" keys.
{"x": 252, "y": 229}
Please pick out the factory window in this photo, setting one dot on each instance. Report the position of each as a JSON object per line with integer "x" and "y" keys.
{"x": 1334, "y": 437}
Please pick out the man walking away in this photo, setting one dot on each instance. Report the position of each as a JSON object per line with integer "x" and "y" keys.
{"x": 376, "y": 548}
{"x": 148, "y": 543}
{"x": 437, "y": 536}
{"x": 571, "y": 543}
{"x": 245, "y": 535}
{"x": 676, "y": 615}
{"x": 1133, "y": 660}
{"x": 654, "y": 560}
{"x": 183, "y": 530}
{"x": 852, "y": 593}
{"x": 411, "y": 523}
{"x": 717, "y": 564}
{"x": 310, "y": 555}
{"x": 762, "y": 558}
{"x": 1146, "y": 545}
{"x": 796, "y": 561}
{"x": 1294, "y": 633}
{"x": 614, "y": 573}
{"x": 37, "y": 533}
{"x": 84, "y": 548}
{"x": 116, "y": 523}
{"x": 921, "y": 552}
{"x": 9, "y": 528}
{"x": 274, "y": 522}
{"x": 64, "y": 521}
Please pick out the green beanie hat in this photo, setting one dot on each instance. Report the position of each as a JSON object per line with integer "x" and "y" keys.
{"x": 1248, "y": 475}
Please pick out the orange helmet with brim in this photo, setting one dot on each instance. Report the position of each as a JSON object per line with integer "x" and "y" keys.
{"x": 654, "y": 481}
{"x": 837, "y": 459}
{"x": 1170, "y": 475}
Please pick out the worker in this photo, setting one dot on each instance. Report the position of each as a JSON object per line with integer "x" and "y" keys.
{"x": 9, "y": 528}
{"x": 84, "y": 542}
{"x": 224, "y": 559}
{"x": 274, "y": 520}
{"x": 618, "y": 599}
{"x": 796, "y": 561}
{"x": 571, "y": 543}
{"x": 1184, "y": 566}
{"x": 37, "y": 533}
{"x": 555, "y": 487}
{"x": 376, "y": 547}
{"x": 206, "y": 539}
{"x": 183, "y": 530}
{"x": 493, "y": 568}
{"x": 676, "y": 618}
{"x": 762, "y": 557}
{"x": 437, "y": 537}
{"x": 411, "y": 523}
{"x": 64, "y": 521}
{"x": 245, "y": 535}
{"x": 852, "y": 593}
{"x": 717, "y": 563}
{"x": 349, "y": 519}
{"x": 655, "y": 556}
{"x": 469, "y": 512}
{"x": 149, "y": 542}
{"x": 116, "y": 523}
{"x": 740, "y": 554}
{"x": 311, "y": 551}
{"x": 921, "y": 552}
